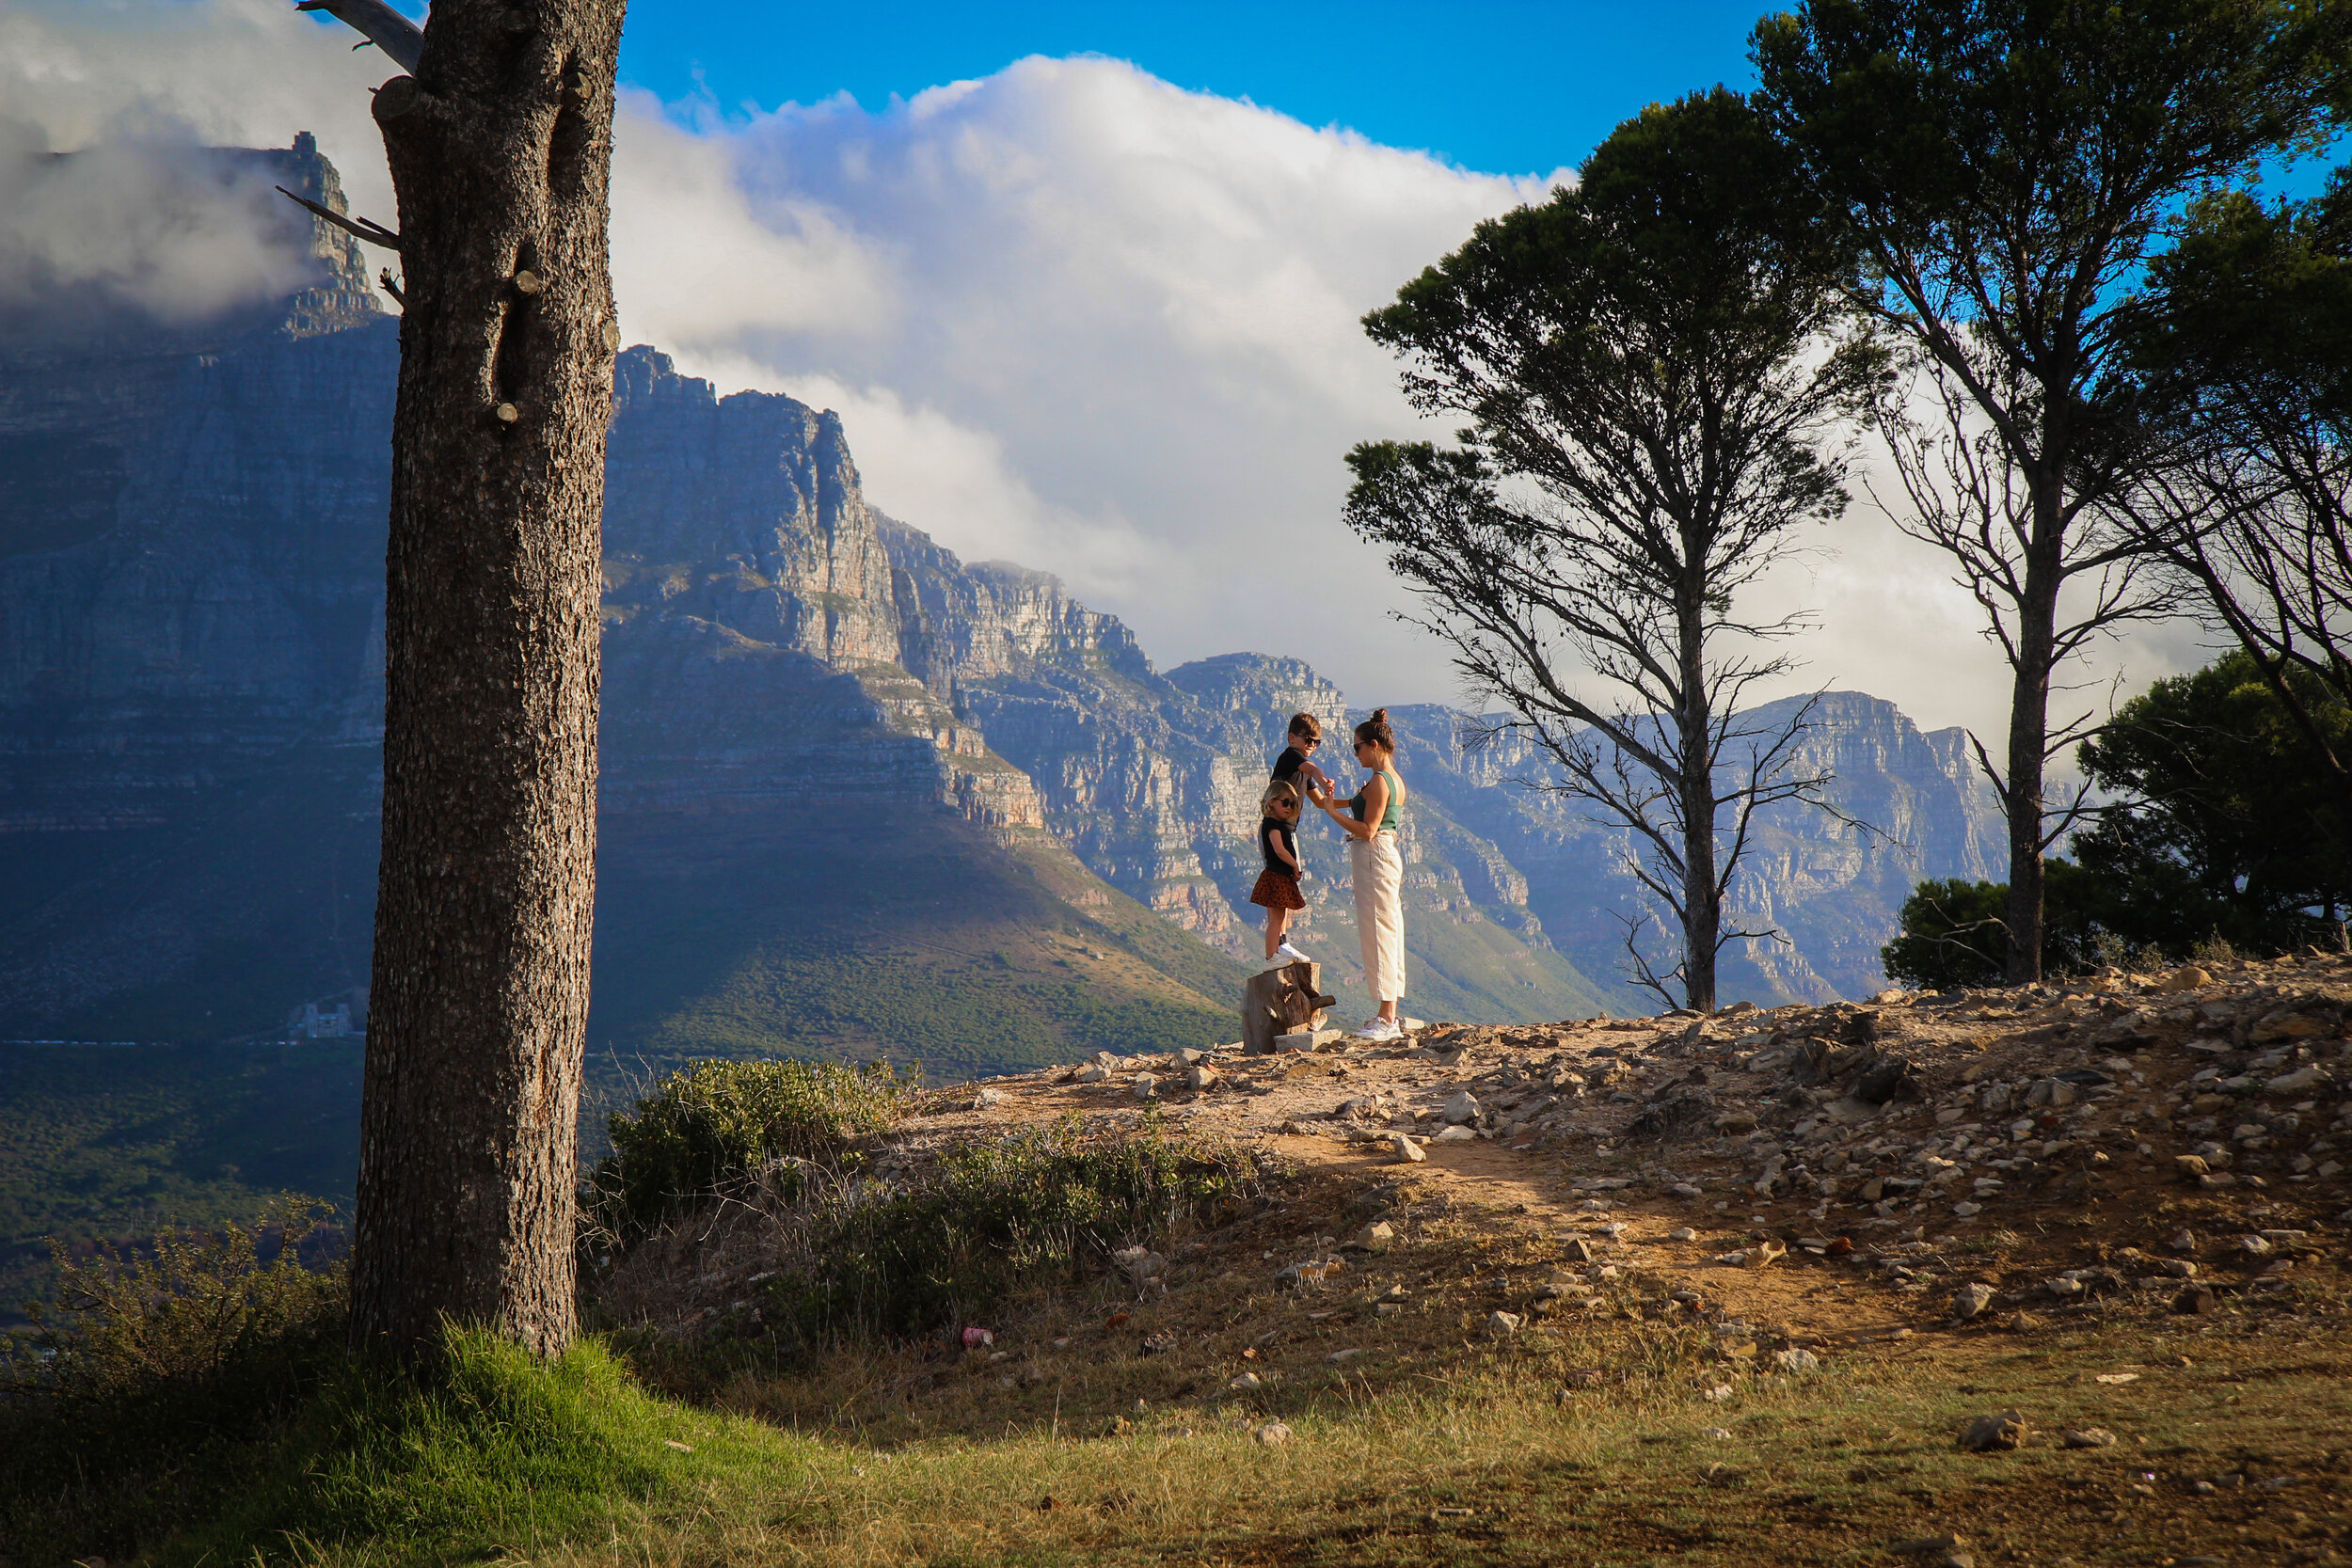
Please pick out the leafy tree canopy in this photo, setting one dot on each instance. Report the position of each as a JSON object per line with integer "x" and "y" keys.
{"x": 2227, "y": 827}
{"x": 2254, "y": 302}
{"x": 2223, "y": 833}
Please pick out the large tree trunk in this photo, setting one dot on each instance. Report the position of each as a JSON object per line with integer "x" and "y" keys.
{"x": 1702, "y": 911}
{"x": 501, "y": 152}
{"x": 2029, "y": 736}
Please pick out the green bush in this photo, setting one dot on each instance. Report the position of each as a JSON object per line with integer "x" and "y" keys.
{"x": 988, "y": 1219}
{"x": 716, "y": 1126}
{"x": 123, "y": 1408}
{"x": 1955, "y": 933}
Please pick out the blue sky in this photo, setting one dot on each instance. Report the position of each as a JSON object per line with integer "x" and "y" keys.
{"x": 1515, "y": 87}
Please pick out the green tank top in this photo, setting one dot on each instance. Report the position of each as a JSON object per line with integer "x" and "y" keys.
{"x": 1394, "y": 816}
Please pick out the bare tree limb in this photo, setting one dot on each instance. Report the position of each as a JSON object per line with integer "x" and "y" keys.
{"x": 363, "y": 228}
{"x": 402, "y": 40}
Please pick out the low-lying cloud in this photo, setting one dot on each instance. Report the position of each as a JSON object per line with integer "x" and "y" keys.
{"x": 1072, "y": 315}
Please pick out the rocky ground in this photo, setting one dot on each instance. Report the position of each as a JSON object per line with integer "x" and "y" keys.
{"x": 2023, "y": 1200}
{"x": 1883, "y": 1135}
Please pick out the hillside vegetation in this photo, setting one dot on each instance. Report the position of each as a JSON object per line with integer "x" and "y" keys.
{"x": 1754, "y": 1330}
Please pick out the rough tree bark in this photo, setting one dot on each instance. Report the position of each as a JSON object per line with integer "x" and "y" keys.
{"x": 500, "y": 150}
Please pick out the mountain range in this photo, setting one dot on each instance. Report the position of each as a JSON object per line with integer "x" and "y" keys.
{"x": 859, "y": 796}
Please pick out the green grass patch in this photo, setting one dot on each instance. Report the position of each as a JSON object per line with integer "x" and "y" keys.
{"x": 497, "y": 1455}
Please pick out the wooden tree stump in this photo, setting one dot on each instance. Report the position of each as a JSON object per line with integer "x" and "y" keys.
{"x": 1280, "y": 1001}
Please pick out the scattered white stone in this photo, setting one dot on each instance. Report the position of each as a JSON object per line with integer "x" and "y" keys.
{"x": 1246, "y": 1382}
{"x": 986, "y": 1097}
{"x": 1405, "y": 1150}
{"x": 1273, "y": 1435}
{"x": 1146, "y": 1085}
{"x": 1682, "y": 1233}
{"x": 1141, "y": 1263}
{"x": 1455, "y": 1135}
{"x": 1717, "y": 1434}
{"x": 1796, "y": 1361}
{"x": 1462, "y": 1108}
{"x": 1502, "y": 1325}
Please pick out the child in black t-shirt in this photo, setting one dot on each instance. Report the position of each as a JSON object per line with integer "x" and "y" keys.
{"x": 1277, "y": 892}
{"x": 1306, "y": 734}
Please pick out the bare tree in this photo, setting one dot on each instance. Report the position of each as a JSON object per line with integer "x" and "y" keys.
{"x": 2004, "y": 166}
{"x": 2243, "y": 347}
{"x": 2019, "y": 558}
{"x": 1649, "y": 365}
{"x": 499, "y": 143}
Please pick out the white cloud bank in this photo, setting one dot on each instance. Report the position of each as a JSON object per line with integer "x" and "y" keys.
{"x": 1072, "y": 315}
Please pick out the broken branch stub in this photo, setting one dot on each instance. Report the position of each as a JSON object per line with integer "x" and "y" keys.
{"x": 363, "y": 228}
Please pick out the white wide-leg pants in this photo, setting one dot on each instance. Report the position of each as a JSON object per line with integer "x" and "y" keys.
{"x": 1379, "y": 871}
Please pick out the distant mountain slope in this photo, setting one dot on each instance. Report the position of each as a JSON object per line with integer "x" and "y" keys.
{"x": 858, "y": 795}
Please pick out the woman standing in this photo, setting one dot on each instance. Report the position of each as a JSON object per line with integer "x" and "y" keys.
{"x": 1374, "y": 814}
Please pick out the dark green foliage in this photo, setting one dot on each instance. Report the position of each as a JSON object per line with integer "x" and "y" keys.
{"x": 2224, "y": 835}
{"x": 716, "y": 1126}
{"x": 2252, "y": 305}
{"x": 987, "y": 1218}
{"x": 1952, "y": 934}
{"x": 2229, "y": 826}
{"x": 123, "y": 1409}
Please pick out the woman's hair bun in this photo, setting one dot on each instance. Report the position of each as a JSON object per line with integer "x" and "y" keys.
{"x": 1379, "y": 716}
{"x": 1375, "y": 731}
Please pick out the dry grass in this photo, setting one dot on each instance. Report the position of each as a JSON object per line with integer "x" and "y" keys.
{"x": 1489, "y": 1465}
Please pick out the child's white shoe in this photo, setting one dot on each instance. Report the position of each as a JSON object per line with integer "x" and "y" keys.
{"x": 1291, "y": 955}
{"x": 1380, "y": 1029}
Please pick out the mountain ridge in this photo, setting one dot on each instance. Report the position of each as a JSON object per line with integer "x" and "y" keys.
{"x": 190, "y": 696}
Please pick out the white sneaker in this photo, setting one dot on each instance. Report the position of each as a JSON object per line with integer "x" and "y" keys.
{"x": 1293, "y": 954}
{"x": 1380, "y": 1029}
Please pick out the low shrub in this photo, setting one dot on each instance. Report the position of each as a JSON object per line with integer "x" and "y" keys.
{"x": 714, "y": 1127}
{"x": 124, "y": 1406}
{"x": 985, "y": 1219}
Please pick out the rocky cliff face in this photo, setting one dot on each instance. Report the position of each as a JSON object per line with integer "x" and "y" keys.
{"x": 190, "y": 694}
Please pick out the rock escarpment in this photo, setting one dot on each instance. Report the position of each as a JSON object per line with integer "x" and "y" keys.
{"x": 190, "y": 695}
